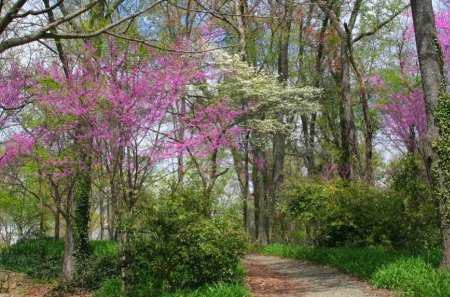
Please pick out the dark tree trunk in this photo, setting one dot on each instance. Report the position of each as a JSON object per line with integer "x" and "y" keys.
{"x": 309, "y": 124}
{"x": 279, "y": 139}
{"x": 259, "y": 197}
{"x": 57, "y": 215}
{"x": 349, "y": 157}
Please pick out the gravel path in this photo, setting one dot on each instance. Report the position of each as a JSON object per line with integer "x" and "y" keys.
{"x": 269, "y": 276}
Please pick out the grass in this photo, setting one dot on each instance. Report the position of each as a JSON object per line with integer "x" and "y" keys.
{"x": 111, "y": 288}
{"x": 42, "y": 259}
{"x": 411, "y": 274}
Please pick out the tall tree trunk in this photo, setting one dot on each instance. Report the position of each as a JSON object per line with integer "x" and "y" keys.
{"x": 365, "y": 108}
{"x": 430, "y": 61}
{"x": 425, "y": 32}
{"x": 259, "y": 196}
{"x": 279, "y": 139}
{"x": 349, "y": 157}
{"x": 309, "y": 125}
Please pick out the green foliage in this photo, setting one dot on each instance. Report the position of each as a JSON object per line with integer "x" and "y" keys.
{"x": 42, "y": 259}
{"x": 354, "y": 214}
{"x": 414, "y": 277}
{"x": 82, "y": 251}
{"x": 111, "y": 288}
{"x": 216, "y": 290}
{"x": 442, "y": 147}
{"x": 413, "y": 274}
{"x": 101, "y": 266}
{"x": 175, "y": 246}
{"x": 20, "y": 210}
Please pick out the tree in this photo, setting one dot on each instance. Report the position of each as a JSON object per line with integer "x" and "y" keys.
{"x": 437, "y": 108}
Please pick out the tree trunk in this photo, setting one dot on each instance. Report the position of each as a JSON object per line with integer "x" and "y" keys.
{"x": 349, "y": 157}
{"x": 57, "y": 215}
{"x": 365, "y": 108}
{"x": 430, "y": 62}
{"x": 81, "y": 218}
{"x": 309, "y": 125}
{"x": 425, "y": 32}
{"x": 259, "y": 198}
{"x": 279, "y": 139}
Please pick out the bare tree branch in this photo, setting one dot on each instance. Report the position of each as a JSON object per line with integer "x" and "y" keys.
{"x": 380, "y": 25}
{"x": 38, "y": 12}
{"x": 43, "y": 33}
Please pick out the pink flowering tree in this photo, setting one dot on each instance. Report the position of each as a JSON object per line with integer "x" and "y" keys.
{"x": 114, "y": 116}
{"x": 404, "y": 109}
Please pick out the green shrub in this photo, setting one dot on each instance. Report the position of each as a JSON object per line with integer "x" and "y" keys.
{"x": 353, "y": 214}
{"x": 175, "y": 245}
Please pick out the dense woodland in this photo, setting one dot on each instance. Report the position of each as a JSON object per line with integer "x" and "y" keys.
{"x": 171, "y": 135}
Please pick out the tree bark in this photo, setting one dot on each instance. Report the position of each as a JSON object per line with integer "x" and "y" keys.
{"x": 57, "y": 215}
{"x": 425, "y": 32}
{"x": 349, "y": 155}
{"x": 279, "y": 139}
{"x": 430, "y": 60}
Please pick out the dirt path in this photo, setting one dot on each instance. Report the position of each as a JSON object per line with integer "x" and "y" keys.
{"x": 269, "y": 276}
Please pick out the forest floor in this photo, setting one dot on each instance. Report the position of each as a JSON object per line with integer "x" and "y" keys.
{"x": 269, "y": 276}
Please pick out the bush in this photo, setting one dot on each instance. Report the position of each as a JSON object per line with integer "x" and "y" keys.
{"x": 176, "y": 245}
{"x": 354, "y": 214}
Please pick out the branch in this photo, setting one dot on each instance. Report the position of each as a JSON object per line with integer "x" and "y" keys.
{"x": 333, "y": 17}
{"x": 36, "y": 35}
{"x": 164, "y": 48}
{"x": 38, "y": 12}
{"x": 379, "y": 26}
{"x": 354, "y": 14}
{"x": 43, "y": 32}
{"x": 7, "y": 19}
